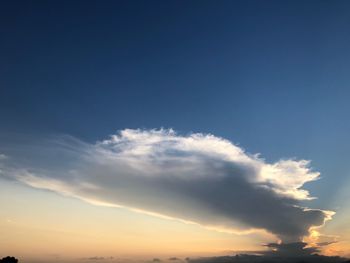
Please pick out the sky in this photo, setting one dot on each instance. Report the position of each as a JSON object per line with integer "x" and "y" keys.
{"x": 150, "y": 128}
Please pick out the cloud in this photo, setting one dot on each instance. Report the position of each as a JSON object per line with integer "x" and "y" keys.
{"x": 298, "y": 258}
{"x": 196, "y": 178}
{"x": 96, "y": 258}
{"x": 278, "y": 252}
{"x": 291, "y": 249}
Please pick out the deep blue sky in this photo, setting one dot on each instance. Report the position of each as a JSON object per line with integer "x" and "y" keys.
{"x": 272, "y": 76}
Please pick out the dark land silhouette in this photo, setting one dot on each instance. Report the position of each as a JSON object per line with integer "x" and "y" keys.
{"x": 9, "y": 260}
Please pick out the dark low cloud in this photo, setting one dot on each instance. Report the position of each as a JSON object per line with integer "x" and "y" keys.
{"x": 297, "y": 252}
{"x": 96, "y": 258}
{"x": 197, "y": 178}
{"x": 269, "y": 259}
{"x": 291, "y": 249}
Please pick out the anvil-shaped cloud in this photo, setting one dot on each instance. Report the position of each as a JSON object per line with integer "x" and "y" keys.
{"x": 196, "y": 178}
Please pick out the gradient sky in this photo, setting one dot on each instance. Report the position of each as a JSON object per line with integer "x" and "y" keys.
{"x": 270, "y": 76}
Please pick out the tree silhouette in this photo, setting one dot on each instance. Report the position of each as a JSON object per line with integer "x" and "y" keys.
{"x": 9, "y": 260}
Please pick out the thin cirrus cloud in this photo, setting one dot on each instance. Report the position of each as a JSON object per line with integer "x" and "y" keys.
{"x": 196, "y": 178}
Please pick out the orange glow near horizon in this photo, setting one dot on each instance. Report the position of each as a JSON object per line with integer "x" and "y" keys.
{"x": 41, "y": 225}
{"x": 38, "y": 225}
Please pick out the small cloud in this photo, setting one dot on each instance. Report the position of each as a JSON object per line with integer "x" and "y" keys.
{"x": 322, "y": 244}
{"x": 290, "y": 249}
{"x": 96, "y": 258}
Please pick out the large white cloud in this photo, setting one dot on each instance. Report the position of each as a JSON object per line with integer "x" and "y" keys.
{"x": 198, "y": 178}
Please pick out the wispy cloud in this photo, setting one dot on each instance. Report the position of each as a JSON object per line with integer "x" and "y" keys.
{"x": 196, "y": 178}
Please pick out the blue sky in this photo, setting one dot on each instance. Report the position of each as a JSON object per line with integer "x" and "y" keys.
{"x": 271, "y": 76}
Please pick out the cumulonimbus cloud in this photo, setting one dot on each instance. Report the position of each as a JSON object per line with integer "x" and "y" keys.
{"x": 197, "y": 178}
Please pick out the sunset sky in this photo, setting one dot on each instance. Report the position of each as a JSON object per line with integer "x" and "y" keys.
{"x": 133, "y": 130}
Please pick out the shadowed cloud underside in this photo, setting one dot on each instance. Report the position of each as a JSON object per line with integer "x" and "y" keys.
{"x": 195, "y": 178}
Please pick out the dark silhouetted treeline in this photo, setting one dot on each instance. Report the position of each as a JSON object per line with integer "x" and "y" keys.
{"x": 9, "y": 260}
